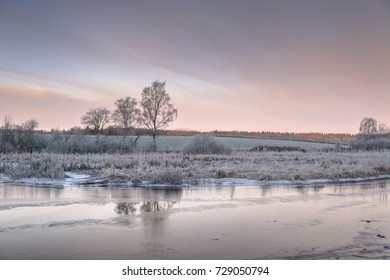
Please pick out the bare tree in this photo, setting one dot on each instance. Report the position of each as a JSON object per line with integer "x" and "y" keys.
{"x": 27, "y": 140}
{"x": 30, "y": 125}
{"x": 126, "y": 112}
{"x": 8, "y": 125}
{"x": 368, "y": 126}
{"x": 383, "y": 128}
{"x": 19, "y": 137}
{"x": 156, "y": 110}
{"x": 96, "y": 118}
{"x": 7, "y": 134}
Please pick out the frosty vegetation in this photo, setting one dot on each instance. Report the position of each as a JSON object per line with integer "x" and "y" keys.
{"x": 372, "y": 136}
{"x": 205, "y": 144}
{"x": 178, "y": 168}
{"x": 378, "y": 142}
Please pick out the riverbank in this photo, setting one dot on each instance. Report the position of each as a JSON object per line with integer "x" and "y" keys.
{"x": 179, "y": 169}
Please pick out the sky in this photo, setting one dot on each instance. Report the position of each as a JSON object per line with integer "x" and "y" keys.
{"x": 255, "y": 65}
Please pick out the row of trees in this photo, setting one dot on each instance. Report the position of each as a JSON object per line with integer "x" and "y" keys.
{"x": 154, "y": 112}
{"x": 18, "y": 137}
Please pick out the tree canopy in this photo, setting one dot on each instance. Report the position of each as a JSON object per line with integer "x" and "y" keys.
{"x": 368, "y": 125}
{"x": 96, "y": 118}
{"x": 126, "y": 113}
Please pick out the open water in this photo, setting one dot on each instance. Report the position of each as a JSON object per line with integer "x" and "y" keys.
{"x": 348, "y": 221}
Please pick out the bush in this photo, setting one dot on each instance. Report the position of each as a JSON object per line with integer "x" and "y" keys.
{"x": 205, "y": 144}
{"x": 170, "y": 176}
{"x": 372, "y": 143}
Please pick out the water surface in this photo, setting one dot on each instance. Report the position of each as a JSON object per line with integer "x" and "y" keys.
{"x": 243, "y": 222}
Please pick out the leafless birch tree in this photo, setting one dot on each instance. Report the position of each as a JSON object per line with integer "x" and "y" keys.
{"x": 156, "y": 110}
{"x": 368, "y": 126}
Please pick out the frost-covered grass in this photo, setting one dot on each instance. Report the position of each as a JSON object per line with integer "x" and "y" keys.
{"x": 175, "y": 168}
{"x": 19, "y": 166}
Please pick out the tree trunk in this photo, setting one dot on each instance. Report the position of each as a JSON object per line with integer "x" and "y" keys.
{"x": 154, "y": 141}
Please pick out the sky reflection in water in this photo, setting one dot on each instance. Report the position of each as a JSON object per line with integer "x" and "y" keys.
{"x": 195, "y": 223}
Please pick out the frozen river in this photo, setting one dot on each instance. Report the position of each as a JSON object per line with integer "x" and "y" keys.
{"x": 349, "y": 221}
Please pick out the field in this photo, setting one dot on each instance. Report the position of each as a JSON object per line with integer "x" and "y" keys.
{"x": 84, "y": 144}
{"x": 176, "y": 143}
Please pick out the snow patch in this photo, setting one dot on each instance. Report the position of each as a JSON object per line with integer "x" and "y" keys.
{"x": 247, "y": 182}
{"x": 72, "y": 179}
{"x": 4, "y": 178}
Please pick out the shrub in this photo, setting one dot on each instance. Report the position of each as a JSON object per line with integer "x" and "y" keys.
{"x": 372, "y": 143}
{"x": 205, "y": 144}
{"x": 171, "y": 176}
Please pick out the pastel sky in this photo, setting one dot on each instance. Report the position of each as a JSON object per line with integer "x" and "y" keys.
{"x": 258, "y": 65}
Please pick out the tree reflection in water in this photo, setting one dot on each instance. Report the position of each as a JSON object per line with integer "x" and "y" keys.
{"x": 124, "y": 208}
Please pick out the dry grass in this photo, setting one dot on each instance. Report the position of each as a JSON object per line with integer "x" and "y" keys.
{"x": 174, "y": 168}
